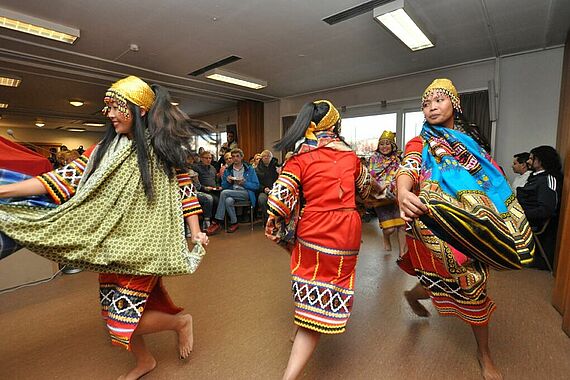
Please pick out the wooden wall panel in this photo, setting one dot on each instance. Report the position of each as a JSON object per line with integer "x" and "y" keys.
{"x": 561, "y": 292}
{"x": 250, "y": 127}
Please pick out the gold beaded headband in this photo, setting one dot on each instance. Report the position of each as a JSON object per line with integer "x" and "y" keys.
{"x": 132, "y": 89}
{"x": 446, "y": 87}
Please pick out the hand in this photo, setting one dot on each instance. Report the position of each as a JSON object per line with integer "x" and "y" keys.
{"x": 271, "y": 229}
{"x": 201, "y": 238}
{"x": 230, "y": 179}
{"x": 410, "y": 205}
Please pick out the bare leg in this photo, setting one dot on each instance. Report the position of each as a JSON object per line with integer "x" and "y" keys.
{"x": 154, "y": 321}
{"x": 387, "y": 232}
{"x": 145, "y": 361}
{"x": 402, "y": 240}
{"x": 305, "y": 343}
{"x": 488, "y": 368}
{"x": 413, "y": 296}
{"x": 292, "y": 338}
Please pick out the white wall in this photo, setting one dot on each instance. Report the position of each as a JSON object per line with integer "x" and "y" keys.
{"x": 402, "y": 93}
{"x": 529, "y": 92}
{"x": 529, "y": 100}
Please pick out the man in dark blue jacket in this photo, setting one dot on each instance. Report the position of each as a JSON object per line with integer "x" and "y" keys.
{"x": 239, "y": 183}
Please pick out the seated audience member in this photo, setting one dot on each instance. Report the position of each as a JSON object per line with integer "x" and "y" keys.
{"x": 267, "y": 174}
{"x": 540, "y": 198}
{"x": 520, "y": 168}
{"x": 221, "y": 161}
{"x": 288, "y": 155}
{"x": 207, "y": 176}
{"x": 206, "y": 200}
{"x": 53, "y": 158}
{"x": 206, "y": 172}
{"x": 239, "y": 183}
{"x": 255, "y": 160}
{"x": 228, "y": 162}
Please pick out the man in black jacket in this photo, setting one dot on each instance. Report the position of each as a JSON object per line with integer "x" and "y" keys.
{"x": 267, "y": 174}
{"x": 540, "y": 197}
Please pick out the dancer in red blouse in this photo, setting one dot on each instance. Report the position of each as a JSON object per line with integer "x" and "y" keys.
{"x": 319, "y": 183}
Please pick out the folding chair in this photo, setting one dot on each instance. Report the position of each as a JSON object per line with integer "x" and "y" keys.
{"x": 242, "y": 204}
{"x": 536, "y": 235}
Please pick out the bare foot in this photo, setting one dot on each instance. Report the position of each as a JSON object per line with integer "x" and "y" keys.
{"x": 416, "y": 306}
{"x": 488, "y": 369}
{"x": 143, "y": 367}
{"x": 185, "y": 337}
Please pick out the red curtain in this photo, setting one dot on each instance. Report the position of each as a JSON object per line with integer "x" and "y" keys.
{"x": 20, "y": 159}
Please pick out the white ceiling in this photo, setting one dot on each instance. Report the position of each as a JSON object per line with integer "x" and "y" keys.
{"x": 284, "y": 42}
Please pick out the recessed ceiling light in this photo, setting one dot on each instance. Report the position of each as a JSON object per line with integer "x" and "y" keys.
{"x": 395, "y": 16}
{"x": 237, "y": 79}
{"x": 176, "y": 104}
{"x": 38, "y": 27}
{"x": 40, "y": 124}
{"x": 76, "y": 102}
{"x": 3, "y": 105}
{"x": 94, "y": 124}
{"x": 9, "y": 80}
{"x": 76, "y": 129}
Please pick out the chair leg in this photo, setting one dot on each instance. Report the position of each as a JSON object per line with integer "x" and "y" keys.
{"x": 543, "y": 254}
{"x": 251, "y": 216}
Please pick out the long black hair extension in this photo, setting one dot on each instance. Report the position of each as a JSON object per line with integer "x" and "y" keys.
{"x": 309, "y": 112}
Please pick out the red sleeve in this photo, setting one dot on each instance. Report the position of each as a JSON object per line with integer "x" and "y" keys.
{"x": 285, "y": 192}
{"x": 412, "y": 161}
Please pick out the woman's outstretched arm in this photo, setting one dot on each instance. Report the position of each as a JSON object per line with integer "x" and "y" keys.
{"x": 26, "y": 188}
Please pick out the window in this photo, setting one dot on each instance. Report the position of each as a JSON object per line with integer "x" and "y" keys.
{"x": 413, "y": 122}
{"x": 362, "y": 133}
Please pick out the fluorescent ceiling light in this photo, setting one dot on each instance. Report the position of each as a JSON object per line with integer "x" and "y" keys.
{"x": 76, "y": 129}
{"x": 10, "y": 80}
{"x": 38, "y": 27}
{"x": 40, "y": 124}
{"x": 3, "y": 105}
{"x": 76, "y": 102}
{"x": 398, "y": 21}
{"x": 237, "y": 79}
{"x": 88, "y": 124}
{"x": 176, "y": 104}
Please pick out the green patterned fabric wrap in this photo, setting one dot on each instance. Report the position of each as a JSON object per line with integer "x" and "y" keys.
{"x": 109, "y": 225}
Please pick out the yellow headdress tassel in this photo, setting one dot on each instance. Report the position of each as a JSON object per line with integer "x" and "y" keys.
{"x": 132, "y": 89}
{"x": 445, "y": 86}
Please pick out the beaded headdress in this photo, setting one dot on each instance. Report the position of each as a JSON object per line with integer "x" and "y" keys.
{"x": 388, "y": 135}
{"x": 446, "y": 87}
{"x": 327, "y": 122}
{"x": 132, "y": 89}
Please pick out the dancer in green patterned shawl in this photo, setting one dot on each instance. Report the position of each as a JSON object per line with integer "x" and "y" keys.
{"x": 123, "y": 205}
